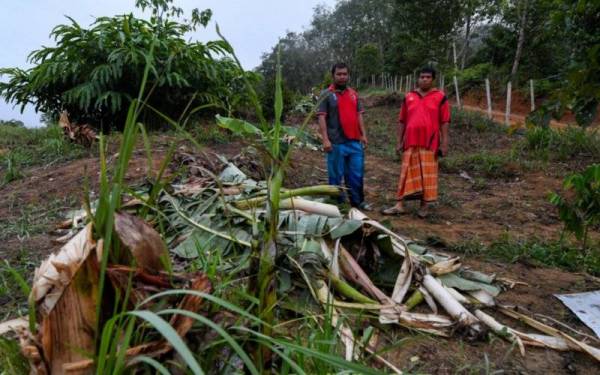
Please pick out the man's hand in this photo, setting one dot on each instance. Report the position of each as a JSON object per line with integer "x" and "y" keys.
{"x": 364, "y": 142}
{"x": 327, "y": 145}
{"x": 444, "y": 149}
{"x": 399, "y": 148}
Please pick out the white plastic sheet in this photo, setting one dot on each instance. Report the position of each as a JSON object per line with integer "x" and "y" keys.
{"x": 586, "y": 306}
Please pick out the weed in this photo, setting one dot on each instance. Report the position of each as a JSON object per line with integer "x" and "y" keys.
{"x": 560, "y": 145}
{"x": 29, "y": 147}
{"x": 484, "y": 163}
{"x": 34, "y": 218}
{"x": 471, "y": 120}
{"x": 13, "y": 296}
{"x": 551, "y": 253}
{"x": 12, "y": 169}
{"x": 12, "y": 361}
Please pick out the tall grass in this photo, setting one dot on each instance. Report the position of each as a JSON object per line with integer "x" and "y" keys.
{"x": 22, "y": 147}
{"x": 559, "y": 254}
{"x": 561, "y": 144}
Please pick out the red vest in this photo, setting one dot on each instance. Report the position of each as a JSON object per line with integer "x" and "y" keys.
{"x": 347, "y": 102}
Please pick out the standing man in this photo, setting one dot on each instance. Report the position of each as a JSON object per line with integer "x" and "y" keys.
{"x": 422, "y": 135}
{"x": 343, "y": 134}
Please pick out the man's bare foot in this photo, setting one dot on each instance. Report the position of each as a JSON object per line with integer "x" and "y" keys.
{"x": 398, "y": 209}
{"x": 424, "y": 210}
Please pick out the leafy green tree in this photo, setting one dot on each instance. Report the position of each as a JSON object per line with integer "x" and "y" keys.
{"x": 422, "y": 33}
{"x": 93, "y": 73}
{"x": 579, "y": 20}
{"x": 368, "y": 61}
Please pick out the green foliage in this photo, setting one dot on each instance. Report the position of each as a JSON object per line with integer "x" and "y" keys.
{"x": 12, "y": 362}
{"x": 368, "y": 61}
{"x": 550, "y": 253}
{"x": 580, "y": 21}
{"x": 422, "y": 33}
{"x": 21, "y": 148}
{"x": 579, "y": 209}
{"x": 472, "y": 120}
{"x": 474, "y": 76}
{"x": 14, "y": 123}
{"x": 95, "y": 72}
{"x": 563, "y": 144}
{"x": 482, "y": 163}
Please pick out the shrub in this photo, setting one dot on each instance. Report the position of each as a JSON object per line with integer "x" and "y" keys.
{"x": 474, "y": 120}
{"x": 580, "y": 211}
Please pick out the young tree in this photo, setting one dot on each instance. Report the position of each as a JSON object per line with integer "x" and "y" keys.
{"x": 95, "y": 72}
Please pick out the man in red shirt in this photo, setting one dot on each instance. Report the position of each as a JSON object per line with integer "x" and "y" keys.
{"x": 422, "y": 135}
{"x": 343, "y": 132}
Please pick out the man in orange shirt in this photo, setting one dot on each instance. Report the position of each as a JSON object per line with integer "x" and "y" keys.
{"x": 422, "y": 135}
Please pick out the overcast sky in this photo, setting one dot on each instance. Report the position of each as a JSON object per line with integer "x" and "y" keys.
{"x": 252, "y": 27}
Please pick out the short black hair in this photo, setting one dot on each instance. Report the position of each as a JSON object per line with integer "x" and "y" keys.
{"x": 339, "y": 65}
{"x": 428, "y": 69}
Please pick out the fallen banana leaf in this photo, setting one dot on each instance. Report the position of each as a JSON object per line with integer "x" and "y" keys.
{"x": 144, "y": 243}
{"x": 404, "y": 279}
{"x": 54, "y": 274}
{"x": 572, "y": 342}
{"x": 13, "y": 325}
{"x": 454, "y": 281}
{"x": 445, "y": 266}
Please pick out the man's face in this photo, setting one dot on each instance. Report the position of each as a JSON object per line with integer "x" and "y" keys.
{"x": 340, "y": 77}
{"x": 425, "y": 81}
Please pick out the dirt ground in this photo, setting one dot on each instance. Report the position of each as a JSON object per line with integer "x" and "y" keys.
{"x": 515, "y": 206}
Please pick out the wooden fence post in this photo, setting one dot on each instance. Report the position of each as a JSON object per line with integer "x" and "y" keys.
{"x": 532, "y": 95}
{"x": 457, "y": 93}
{"x": 489, "y": 98}
{"x": 508, "y": 101}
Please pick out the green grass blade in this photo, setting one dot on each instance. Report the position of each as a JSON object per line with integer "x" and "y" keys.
{"x": 147, "y": 148}
{"x": 327, "y": 358}
{"x": 152, "y": 362}
{"x": 170, "y": 335}
{"x": 219, "y": 301}
{"x": 226, "y": 336}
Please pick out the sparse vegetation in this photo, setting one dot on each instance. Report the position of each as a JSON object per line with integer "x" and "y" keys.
{"x": 533, "y": 251}
{"x": 482, "y": 163}
{"x": 566, "y": 144}
{"x": 21, "y": 148}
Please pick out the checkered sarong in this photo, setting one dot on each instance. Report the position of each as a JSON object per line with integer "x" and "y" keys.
{"x": 418, "y": 175}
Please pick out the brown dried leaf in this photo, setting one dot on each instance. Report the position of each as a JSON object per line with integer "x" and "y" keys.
{"x": 181, "y": 323}
{"x": 145, "y": 244}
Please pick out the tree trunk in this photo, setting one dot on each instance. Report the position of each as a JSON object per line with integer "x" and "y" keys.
{"x": 465, "y": 49}
{"x": 521, "y": 41}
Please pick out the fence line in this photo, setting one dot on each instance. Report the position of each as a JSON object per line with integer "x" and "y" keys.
{"x": 404, "y": 83}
